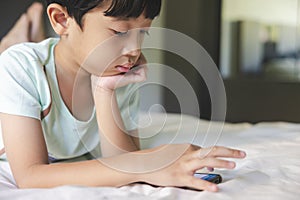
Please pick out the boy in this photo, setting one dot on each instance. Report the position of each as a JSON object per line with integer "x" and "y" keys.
{"x": 69, "y": 98}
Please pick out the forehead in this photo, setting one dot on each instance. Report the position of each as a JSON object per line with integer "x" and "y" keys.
{"x": 141, "y": 21}
{"x": 98, "y": 14}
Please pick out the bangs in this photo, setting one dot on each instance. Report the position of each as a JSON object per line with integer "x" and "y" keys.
{"x": 133, "y": 8}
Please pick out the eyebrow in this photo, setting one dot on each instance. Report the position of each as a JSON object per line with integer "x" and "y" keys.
{"x": 126, "y": 20}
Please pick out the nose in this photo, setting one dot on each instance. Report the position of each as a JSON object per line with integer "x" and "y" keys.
{"x": 133, "y": 44}
{"x": 134, "y": 52}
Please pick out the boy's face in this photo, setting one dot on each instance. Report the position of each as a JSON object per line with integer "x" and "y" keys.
{"x": 107, "y": 46}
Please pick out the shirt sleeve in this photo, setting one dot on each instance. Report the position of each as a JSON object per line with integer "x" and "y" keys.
{"x": 129, "y": 101}
{"x": 18, "y": 92}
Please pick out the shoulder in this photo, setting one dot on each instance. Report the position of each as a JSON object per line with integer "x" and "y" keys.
{"x": 28, "y": 54}
{"x": 23, "y": 78}
{"x": 26, "y": 59}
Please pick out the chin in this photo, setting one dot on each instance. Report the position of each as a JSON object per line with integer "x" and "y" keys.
{"x": 111, "y": 73}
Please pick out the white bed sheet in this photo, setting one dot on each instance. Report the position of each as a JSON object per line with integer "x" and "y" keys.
{"x": 270, "y": 171}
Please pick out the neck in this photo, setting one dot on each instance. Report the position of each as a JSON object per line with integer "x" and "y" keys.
{"x": 65, "y": 63}
{"x": 74, "y": 83}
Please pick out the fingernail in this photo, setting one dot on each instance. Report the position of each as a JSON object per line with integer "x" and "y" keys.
{"x": 232, "y": 164}
{"x": 242, "y": 153}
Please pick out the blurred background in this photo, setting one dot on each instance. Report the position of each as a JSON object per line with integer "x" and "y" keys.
{"x": 254, "y": 44}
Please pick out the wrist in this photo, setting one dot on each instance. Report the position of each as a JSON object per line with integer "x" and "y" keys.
{"x": 102, "y": 90}
{"x": 136, "y": 177}
{"x": 101, "y": 85}
{"x": 102, "y": 93}
{"x": 127, "y": 178}
{"x": 147, "y": 177}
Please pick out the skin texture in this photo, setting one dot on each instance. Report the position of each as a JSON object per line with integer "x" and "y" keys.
{"x": 24, "y": 142}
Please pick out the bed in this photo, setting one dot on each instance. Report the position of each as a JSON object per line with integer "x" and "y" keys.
{"x": 270, "y": 171}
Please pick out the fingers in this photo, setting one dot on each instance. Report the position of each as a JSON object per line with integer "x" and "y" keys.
{"x": 219, "y": 151}
{"x": 137, "y": 74}
{"x": 181, "y": 172}
{"x": 211, "y": 162}
{"x": 210, "y": 169}
{"x": 110, "y": 83}
{"x": 199, "y": 184}
{"x": 209, "y": 158}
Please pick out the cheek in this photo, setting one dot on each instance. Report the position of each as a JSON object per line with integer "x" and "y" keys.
{"x": 101, "y": 56}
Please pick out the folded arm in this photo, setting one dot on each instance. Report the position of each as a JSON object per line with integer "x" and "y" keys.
{"x": 27, "y": 154}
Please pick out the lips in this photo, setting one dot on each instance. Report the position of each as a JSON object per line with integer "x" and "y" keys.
{"x": 124, "y": 68}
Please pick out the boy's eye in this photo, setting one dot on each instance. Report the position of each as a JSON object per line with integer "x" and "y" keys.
{"x": 120, "y": 33}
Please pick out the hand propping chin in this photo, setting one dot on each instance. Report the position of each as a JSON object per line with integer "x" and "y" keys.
{"x": 110, "y": 83}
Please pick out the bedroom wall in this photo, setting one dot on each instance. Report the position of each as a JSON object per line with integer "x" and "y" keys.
{"x": 271, "y": 93}
{"x": 200, "y": 21}
{"x": 268, "y": 11}
{"x": 282, "y": 14}
{"x": 251, "y": 100}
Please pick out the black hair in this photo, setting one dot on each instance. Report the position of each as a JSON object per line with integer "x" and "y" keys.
{"x": 118, "y": 8}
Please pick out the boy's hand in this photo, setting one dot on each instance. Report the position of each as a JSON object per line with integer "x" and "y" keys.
{"x": 110, "y": 83}
{"x": 180, "y": 173}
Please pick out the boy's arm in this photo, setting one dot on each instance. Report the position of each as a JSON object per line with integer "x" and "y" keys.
{"x": 114, "y": 138}
{"x": 27, "y": 155}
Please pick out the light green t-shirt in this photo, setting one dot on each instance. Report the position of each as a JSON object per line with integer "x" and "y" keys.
{"x": 28, "y": 85}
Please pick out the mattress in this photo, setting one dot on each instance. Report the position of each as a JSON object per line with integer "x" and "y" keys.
{"x": 271, "y": 169}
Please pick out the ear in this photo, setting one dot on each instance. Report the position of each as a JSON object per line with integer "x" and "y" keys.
{"x": 58, "y": 17}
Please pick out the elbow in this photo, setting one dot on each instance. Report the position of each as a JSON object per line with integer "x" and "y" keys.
{"x": 28, "y": 182}
{"x": 23, "y": 183}
{"x": 30, "y": 178}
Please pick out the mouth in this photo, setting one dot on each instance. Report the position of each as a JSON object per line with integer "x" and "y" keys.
{"x": 124, "y": 68}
